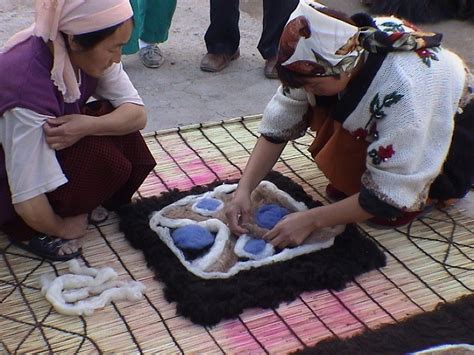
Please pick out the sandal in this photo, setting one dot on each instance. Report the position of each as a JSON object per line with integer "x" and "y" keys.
{"x": 97, "y": 215}
{"x": 46, "y": 247}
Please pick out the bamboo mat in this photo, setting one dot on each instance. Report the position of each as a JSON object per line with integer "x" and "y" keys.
{"x": 429, "y": 262}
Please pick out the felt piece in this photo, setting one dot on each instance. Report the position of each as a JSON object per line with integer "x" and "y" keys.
{"x": 252, "y": 248}
{"x": 192, "y": 236}
{"x": 207, "y": 206}
{"x": 449, "y": 323}
{"x": 269, "y": 215}
{"x": 208, "y": 301}
{"x": 255, "y": 246}
{"x": 210, "y": 204}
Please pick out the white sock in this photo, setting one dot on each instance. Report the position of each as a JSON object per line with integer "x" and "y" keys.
{"x": 142, "y": 44}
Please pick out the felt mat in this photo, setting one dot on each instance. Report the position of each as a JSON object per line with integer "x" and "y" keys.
{"x": 428, "y": 262}
{"x": 207, "y": 302}
{"x": 449, "y": 323}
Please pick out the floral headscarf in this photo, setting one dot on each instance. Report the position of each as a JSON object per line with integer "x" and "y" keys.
{"x": 317, "y": 41}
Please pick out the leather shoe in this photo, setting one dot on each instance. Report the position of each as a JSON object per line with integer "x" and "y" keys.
{"x": 216, "y": 62}
{"x": 270, "y": 70}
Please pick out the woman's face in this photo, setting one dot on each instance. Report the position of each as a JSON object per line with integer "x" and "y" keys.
{"x": 96, "y": 60}
{"x": 326, "y": 85}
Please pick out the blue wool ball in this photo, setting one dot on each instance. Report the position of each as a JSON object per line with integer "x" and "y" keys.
{"x": 209, "y": 204}
{"x": 255, "y": 246}
{"x": 268, "y": 215}
{"x": 192, "y": 236}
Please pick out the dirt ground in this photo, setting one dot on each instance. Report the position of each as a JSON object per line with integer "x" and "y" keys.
{"x": 179, "y": 93}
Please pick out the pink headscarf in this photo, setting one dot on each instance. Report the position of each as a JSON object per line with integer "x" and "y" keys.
{"x": 72, "y": 17}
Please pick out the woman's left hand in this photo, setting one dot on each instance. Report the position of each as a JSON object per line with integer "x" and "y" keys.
{"x": 63, "y": 132}
{"x": 292, "y": 230}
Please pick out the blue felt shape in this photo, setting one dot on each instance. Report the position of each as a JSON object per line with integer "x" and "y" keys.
{"x": 209, "y": 204}
{"x": 255, "y": 246}
{"x": 268, "y": 215}
{"x": 192, "y": 236}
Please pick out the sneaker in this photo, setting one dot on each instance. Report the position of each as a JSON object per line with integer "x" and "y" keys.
{"x": 151, "y": 56}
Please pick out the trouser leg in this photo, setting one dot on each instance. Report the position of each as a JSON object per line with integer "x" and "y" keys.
{"x": 275, "y": 16}
{"x": 223, "y": 35}
{"x": 157, "y": 16}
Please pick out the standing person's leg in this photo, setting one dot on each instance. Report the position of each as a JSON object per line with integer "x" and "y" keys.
{"x": 132, "y": 45}
{"x": 152, "y": 21}
{"x": 157, "y": 16}
{"x": 275, "y": 16}
{"x": 223, "y": 36}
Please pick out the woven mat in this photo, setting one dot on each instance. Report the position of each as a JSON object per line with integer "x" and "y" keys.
{"x": 428, "y": 262}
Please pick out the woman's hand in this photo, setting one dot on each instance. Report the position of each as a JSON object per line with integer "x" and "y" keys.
{"x": 296, "y": 227}
{"x": 292, "y": 230}
{"x": 63, "y": 132}
{"x": 237, "y": 212}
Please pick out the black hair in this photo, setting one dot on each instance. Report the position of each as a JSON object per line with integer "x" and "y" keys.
{"x": 294, "y": 79}
{"x": 91, "y": 39}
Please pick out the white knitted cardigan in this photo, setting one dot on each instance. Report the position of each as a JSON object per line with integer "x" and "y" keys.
{"x": 414, "y": 98}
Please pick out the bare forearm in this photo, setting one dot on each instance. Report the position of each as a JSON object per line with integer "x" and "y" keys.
{"x": 262, "y": 160}
{"x": 39, "y": 215}
{"x": 341, "y": 212}
{"x": 127, "y": 118}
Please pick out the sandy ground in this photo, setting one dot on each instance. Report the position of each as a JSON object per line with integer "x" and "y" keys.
{"x": 179, "y": 93}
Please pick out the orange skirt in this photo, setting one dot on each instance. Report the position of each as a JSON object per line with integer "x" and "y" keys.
{"x": 338, "y": 154}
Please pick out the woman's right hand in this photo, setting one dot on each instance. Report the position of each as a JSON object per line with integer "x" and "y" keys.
{"x": 237, "y": 212}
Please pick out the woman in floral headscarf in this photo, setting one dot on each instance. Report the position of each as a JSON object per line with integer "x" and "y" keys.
{"x": 60, "y": 156}
{"x": 393, "y": 112}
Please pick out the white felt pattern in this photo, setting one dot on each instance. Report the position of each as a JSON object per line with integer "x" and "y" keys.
{"x": 162, "y": 226}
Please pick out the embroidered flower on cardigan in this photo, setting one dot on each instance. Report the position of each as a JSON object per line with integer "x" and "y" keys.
{"x": 376, "y": 107}
{"x": 392, "y": 27}
{"x": 428, "y": 55}
{"x": 382, "y": 154}
{"x": 362, "y": 133}
{"x": 376, "y": 113}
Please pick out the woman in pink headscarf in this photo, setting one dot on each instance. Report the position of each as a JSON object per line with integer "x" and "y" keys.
{"x": 394, "y": 116}
{"x": 61, "y": 155}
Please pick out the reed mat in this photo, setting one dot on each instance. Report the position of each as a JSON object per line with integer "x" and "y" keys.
{"x": 428, "y": 262}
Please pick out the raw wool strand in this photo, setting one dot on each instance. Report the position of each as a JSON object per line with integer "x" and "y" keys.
{"x": 70, "y": 294}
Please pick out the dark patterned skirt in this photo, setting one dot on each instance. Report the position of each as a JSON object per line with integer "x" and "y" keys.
{"x": 457, "y": 176}
{"x": 102, "y": 170}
